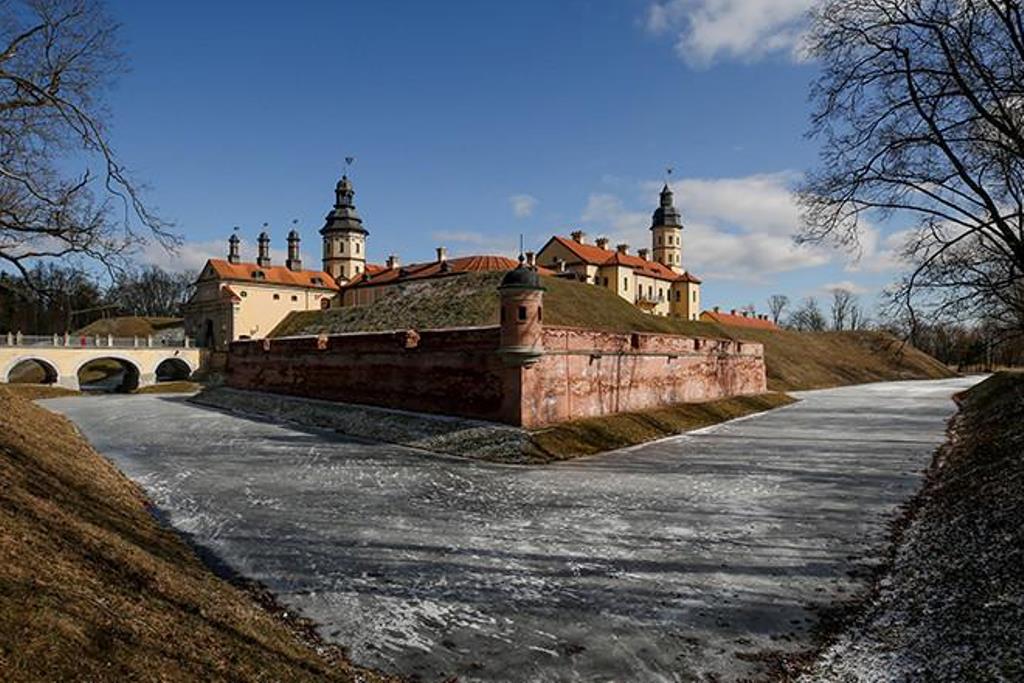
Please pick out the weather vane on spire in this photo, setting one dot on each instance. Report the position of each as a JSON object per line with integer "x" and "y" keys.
{"x": 348, "y": 162}
{"x": 668, "y": 173}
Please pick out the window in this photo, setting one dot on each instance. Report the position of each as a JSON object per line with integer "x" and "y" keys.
{"x": 695, "y": 296}
{"x": 540, "y": 313}
{"x": 243, "y": 294}
{"x": 259, "y": 275}
{"x": 277, "y": 297}
{"x": 357, "y": 247}
{"x": 503, "y": 316}
{"x": 522, "y": 313}
{"x": 625, "y": 283}
{"x": 295, "y": 297}
{"x": 605, "y": 282}
{"x": 678, "y": 295}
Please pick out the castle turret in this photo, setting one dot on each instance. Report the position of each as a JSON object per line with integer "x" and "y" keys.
{"x": 263, "y": 250}
{"x": 667, "y": 233}
{"x": 344, "y": 235}
{"x": 233, "y": 254}
{"x": 294, "y": 261}
{"x": 522, "y": 315}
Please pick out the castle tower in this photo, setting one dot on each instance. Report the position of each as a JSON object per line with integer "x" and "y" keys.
{"x": 344, "y": 235}
{"x": 522, "y": 315}
{"x": 263, "y": 250}
{"x": 294, "y": 261}
{"x": 233, "y": 254}
{"x": 667, "y": 233}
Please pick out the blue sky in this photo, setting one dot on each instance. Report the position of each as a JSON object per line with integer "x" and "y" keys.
{"x": 473, "y": 122}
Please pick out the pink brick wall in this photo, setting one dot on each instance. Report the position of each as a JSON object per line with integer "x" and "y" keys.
{"x": 583, "y": 373}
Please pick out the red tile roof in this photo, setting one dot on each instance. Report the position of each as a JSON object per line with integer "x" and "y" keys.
{"x": 420, "y": 271}
{"x": 738, "y": 320}
{"x": 275, "y": 275}
{"x": 596, "y": 256}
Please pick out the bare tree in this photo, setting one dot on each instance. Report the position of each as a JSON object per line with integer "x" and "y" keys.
{"x": 920, "y": 110}
{"x": 808, "y": 317}
{"x": 57, "y": 58}
{"x": 151, "y": 291}
{"x": 777, "y": 304}
{"x": 843, "y": 305}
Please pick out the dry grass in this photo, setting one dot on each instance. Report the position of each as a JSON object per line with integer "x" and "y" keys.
{"x": 33, "y": 392}
{"x": 171, "y": 387}
{"x": 128, "y": 326}
{"x": 819, "y": 360}
{"x": 92, "y": 588}
{"x": 594, "y": 435}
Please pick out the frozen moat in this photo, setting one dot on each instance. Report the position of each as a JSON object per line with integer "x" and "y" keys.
{"x": 664, "y": 562}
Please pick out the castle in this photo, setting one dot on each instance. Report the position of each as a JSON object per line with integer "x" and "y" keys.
{"x": 238, "y": 300}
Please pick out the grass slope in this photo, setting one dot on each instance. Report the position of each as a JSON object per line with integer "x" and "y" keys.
{"x": 128, "y": 326}
{"x": 795, "y": 360}
{"x": 594, "y": 435}
{"x": 92, "y": 588}
{"x": 950, "y": 607}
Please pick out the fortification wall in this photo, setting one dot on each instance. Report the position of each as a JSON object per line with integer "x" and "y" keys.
{"x": 448, "y": 372}
{"x": 585, "y": 373}
{"x": 582, "y": 373}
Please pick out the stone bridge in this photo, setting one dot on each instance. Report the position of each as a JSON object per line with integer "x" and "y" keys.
{"x": 62, "y": 357}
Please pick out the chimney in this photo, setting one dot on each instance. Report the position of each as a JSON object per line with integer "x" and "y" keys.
{"x": 393, "y": 261}
{"x": 233, "y": 256}
{"x": 531, "y": 259}
{"x": 643, "y": 253}
{"x": 601, "y": 242}
{"x": 732, "y": 312}
{"x": 294, "y": 261}
{"x": 561, "y": 266}
{"x": 442, "y": 254}
{"x": 578, "y": 236}
{"x": 716, "y": 309}
{"x": 263, "y": 247}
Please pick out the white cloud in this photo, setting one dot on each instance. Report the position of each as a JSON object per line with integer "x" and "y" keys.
{"x": 848, "y": 285}
{"x": 710, "y": 30}
{"x": 188, "y": 256}
{"x": 467, "y": 242}
{"x": 735, "y": 228}
{"x": 523, "y": 205}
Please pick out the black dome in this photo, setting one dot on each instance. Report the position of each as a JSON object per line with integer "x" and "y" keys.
{"x": 521, "y": 278}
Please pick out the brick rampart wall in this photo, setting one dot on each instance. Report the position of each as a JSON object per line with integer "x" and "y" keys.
{"x": 583, "y": 373}
{"x": 449, "y": 372}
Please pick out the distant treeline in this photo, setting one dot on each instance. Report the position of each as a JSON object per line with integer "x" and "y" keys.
{"x": 69, "y": 299}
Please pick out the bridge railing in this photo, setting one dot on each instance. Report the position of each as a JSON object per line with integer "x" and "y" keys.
{"x": 91, "y": 341}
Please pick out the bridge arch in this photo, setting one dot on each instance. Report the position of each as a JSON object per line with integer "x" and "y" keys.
{"x": 173, "y": 368}
{"x": 51, "y": 375}
{"x": 129, "y": 381}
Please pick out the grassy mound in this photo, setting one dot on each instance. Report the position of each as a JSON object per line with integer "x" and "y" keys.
{"x": 818, "y": 360}
{"x": 950, "y": 608}
{"x": 594, "y": 435}
{"x": 128, "y": 326}
{"x": 472, "y": 300}
{"x": 795, "y": 360}
{"x": 92, "y": 588}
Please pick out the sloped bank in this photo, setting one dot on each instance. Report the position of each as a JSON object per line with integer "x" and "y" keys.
{"x": 488, "y": 440}
{"x": 93, "y": 588}
{"x": 951, "y": 606}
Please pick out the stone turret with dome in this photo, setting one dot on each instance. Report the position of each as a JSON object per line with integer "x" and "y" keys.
{"x": 344, "y": 237}
{"x": 667, "y": 232}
